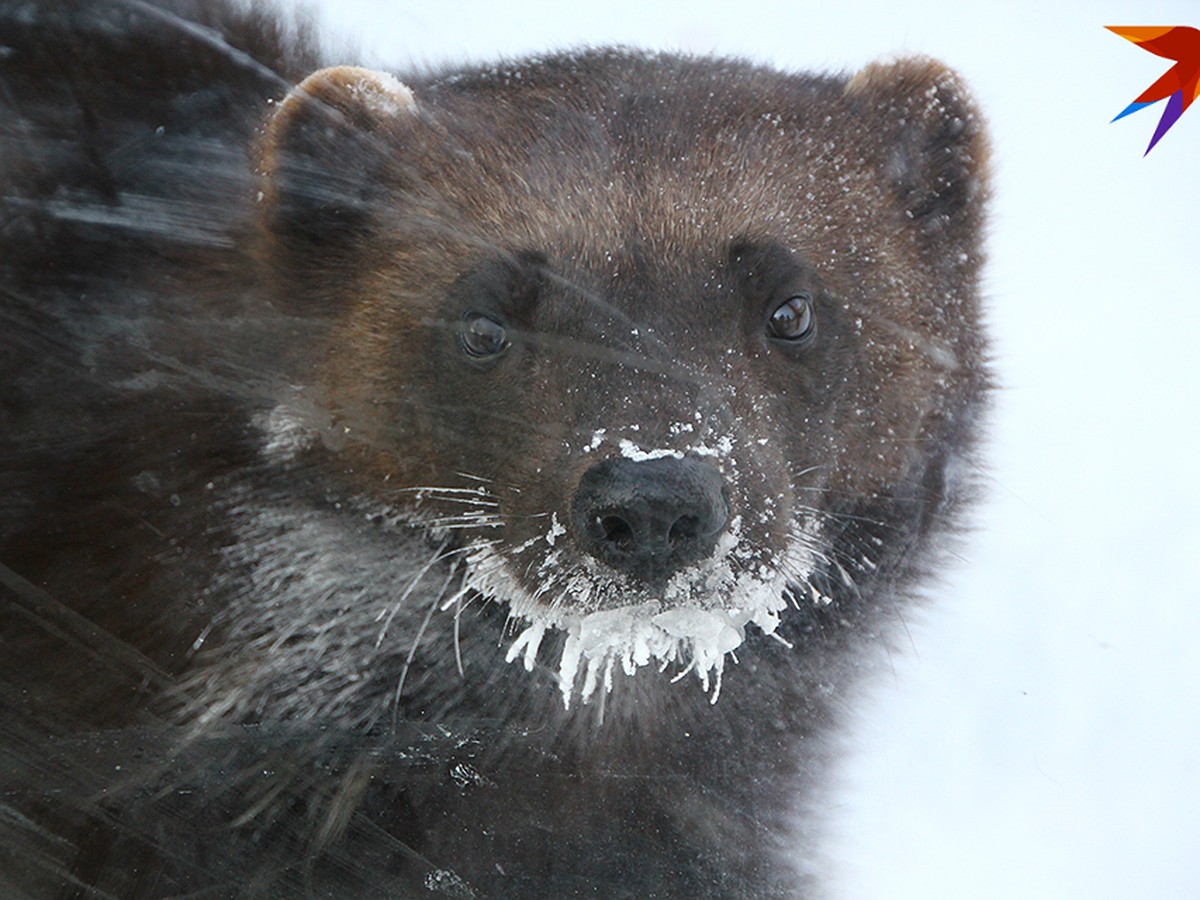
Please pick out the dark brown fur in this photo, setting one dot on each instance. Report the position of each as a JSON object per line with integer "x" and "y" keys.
{"x": 245, "y": 461}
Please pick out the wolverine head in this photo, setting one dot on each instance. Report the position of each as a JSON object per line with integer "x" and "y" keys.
{"x": 656, "y": 346}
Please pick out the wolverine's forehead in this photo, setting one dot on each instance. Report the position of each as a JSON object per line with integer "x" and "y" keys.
{"x": 668, "y": 158}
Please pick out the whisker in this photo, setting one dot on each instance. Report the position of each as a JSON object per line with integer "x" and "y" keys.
{"x": 412, "y": 650}
{"x": 412, "y": 585}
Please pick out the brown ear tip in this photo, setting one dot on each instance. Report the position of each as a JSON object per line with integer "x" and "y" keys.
{"x": 346, "y": 99}
{"x": 908, "y": 73}
{"x": 352, "y": 86}
{"x": 362, "y": 97}
{"x": 923, "y": 91}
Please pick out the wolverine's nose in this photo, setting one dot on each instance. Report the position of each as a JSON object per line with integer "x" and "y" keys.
{"x": 649, "y": 518}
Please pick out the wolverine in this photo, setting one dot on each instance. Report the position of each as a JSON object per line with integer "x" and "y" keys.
{"x": 476, "y": 482}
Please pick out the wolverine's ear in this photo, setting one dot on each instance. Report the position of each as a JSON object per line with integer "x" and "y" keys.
{"x": 920, "y": 117}
{"x": 325, "y": 150}
{"x": 325, "y": 156}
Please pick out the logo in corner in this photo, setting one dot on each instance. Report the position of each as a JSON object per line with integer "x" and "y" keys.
{"x": 1181, "y": 83}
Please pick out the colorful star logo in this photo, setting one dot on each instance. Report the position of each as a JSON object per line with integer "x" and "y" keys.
{"x": 1181, "y": 82}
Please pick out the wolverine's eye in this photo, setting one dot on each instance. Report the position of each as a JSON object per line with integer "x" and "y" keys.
{"x": 793, "y": 320}
{"x": 481, "y": 336}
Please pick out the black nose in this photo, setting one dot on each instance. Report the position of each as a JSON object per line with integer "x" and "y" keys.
{"x": 651, "y": 517}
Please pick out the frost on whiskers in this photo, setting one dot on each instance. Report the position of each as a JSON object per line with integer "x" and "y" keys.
{"x": 697, "y": 624}
{"x": 635, "y": 636}
{"x": 698, "y": 621}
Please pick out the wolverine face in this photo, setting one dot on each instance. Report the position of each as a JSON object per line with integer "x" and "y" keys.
{"x": 645, "y": 389}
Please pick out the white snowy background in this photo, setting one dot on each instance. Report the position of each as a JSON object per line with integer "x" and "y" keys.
{"x": 1038, "y": 733}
